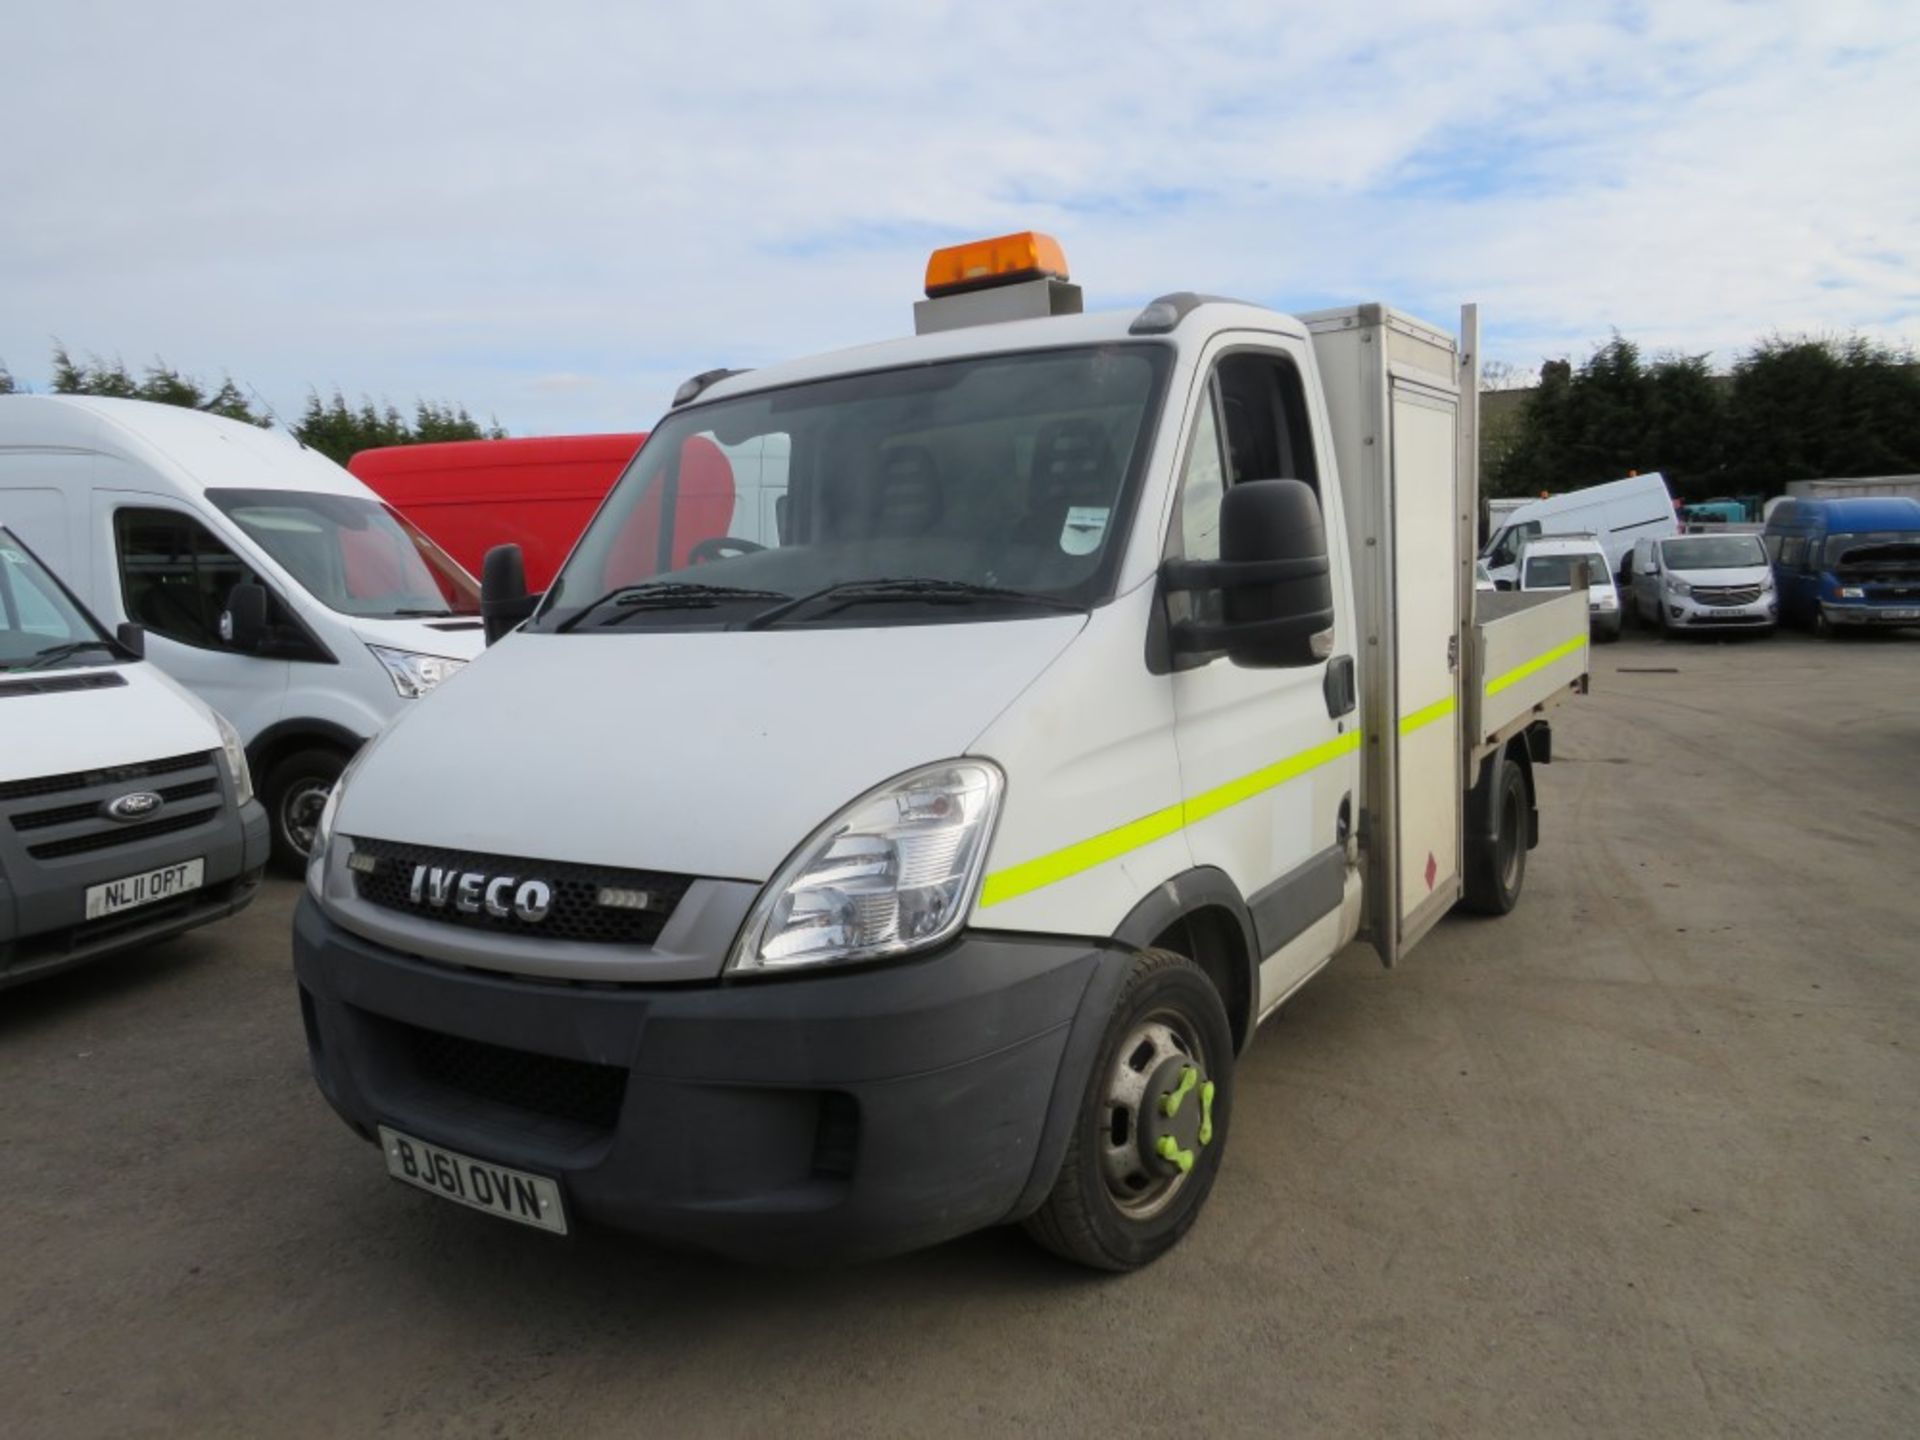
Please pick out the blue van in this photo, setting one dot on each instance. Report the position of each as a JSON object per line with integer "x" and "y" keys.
{"x": 1848, "y": 563}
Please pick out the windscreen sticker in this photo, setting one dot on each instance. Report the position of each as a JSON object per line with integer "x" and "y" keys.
{"x": 12, "y": 555}
{"x": 1086, "y": 526}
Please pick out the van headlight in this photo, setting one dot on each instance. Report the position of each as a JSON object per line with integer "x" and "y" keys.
{"x": 1677, "y": 586}
{"x": 236, "y": 760}
{"x": 323, "y": 827}
{"x": 1851, "y": 592}
{"x": 894, "y": 872}
{"x": 415, "y": 674}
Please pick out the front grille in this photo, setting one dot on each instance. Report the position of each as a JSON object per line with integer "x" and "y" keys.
{"x": 573, "y": 1090}
{"x": 1726, "y": 594}
{"x": 67, "y": 814}
{"x": 576, "y": 912}
{"x": 94, "y": 779}
{"x": 120, "y": 834}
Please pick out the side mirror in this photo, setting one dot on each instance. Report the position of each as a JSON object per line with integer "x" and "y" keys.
{"x": 504, "y": 601}
{"x": 1273, "y": 575}
{"x": 244, "y": 623}
{"x": 1503, "y": 584}
{"x": 132, "y": 638}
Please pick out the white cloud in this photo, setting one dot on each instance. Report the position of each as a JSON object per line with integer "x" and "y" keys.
{"x": 554, "y": 214}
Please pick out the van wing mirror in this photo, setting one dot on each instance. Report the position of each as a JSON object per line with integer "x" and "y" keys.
{"x": 1273, "y": 576}
{"x": 132, "y": 638}
{"x": 504, "y": 601}
{"x": 243, "y": 625}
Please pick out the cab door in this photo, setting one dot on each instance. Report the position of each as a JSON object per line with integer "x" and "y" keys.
{"x": 1269, "y": 774}
{"x": 165, "y": 570}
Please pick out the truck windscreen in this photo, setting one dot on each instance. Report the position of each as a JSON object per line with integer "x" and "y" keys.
{"x": 960, "y": 487}
{"x": 352, "y": 554}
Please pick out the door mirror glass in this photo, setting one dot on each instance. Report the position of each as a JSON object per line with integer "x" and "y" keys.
{"x": 243, "y": 624}
{"x": 1273, "y": 576}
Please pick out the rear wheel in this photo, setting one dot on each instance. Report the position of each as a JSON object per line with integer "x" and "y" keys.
{"x": 1152, "y": 1126}
{"x": 295, "y": 792}
{"x": 1497, "y": 861}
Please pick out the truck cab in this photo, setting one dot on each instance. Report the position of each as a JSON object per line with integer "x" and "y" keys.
{"x": 925, "y": 862}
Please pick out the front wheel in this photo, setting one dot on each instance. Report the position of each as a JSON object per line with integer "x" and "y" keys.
{"x": 1152, "y": 1124}
{"x": 294, "y": 792}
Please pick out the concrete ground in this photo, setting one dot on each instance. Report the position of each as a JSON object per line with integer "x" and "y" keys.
{"x": 1643, "y": 1158}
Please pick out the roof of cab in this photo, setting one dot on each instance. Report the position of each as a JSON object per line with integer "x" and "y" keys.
{"x": 1848, "y": 512}
{"x": 1104, "y": 327}
{"x": 201, "y": 451}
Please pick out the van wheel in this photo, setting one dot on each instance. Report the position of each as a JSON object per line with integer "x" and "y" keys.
{"x": 295, "y": 792}
{"x": 1497, "y": 863}
{"x": 1152, "y": 1126}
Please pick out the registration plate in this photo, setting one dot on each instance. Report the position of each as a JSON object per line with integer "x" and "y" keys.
{"x": 480, "y": 1184}
{"x": 1901, "y": 613}
{"x": 143, "y": 889}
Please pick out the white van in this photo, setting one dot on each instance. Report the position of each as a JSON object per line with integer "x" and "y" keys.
{"x": 126, "y": 806}
{"x": 269, "y": 581}
{"x": 1616, "y": 514}
{"x": 926, "y": 863}
{"x": 1547, "y": 563}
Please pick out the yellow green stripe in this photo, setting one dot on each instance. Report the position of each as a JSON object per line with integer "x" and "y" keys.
{"x": 1426, "y": 715}
{"x": 1535, "y": 665}
{"x": 1031, "y": 875}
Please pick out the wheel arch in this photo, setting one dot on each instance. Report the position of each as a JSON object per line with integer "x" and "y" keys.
{"x": 1202, "y": 915}
{"x": 284, "y": 737}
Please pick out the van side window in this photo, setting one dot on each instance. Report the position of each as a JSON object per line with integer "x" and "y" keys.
{"x": 1265, "y": 411}
{"x": 1793, "y": 552}
{"x": 175, "y": 576}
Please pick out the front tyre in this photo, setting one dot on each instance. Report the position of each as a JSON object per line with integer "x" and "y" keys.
{"x": 294, "y": 792}
{"x": 1152, "y": 1125}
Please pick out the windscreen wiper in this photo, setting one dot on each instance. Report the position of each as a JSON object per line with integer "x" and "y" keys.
{"x": 933, "y": 592}
{"x": 53, "y": 654}
{"x": 669, "y": 595}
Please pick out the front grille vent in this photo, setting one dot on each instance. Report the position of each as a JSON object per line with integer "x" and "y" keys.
{"x": 58, "y": 684}
{"x": 93, "y": 779}
{"x": 576, "y": 1091}
{"x": 575, "y": 914}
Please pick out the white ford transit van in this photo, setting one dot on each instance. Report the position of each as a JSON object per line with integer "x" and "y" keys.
{"x": 126, "y": 809}
{"x": 270, "y": 582}
{"x": 1616, "y": 514}
{"x": 927, "y": 862}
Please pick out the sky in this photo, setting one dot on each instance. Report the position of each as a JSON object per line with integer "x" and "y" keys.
{"x": 554, "y": 213}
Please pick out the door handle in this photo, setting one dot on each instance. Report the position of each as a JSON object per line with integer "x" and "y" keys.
{"x": 1453, "y": 654}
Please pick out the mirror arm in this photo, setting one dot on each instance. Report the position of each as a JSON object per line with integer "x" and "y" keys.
{"x": 1198, "y": 636}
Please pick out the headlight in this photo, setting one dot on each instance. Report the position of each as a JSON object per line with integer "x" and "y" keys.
{"x": 1851, "y": 592}
{"x": 1678, "y": 587}
{"x": 1608, "y": 600}
{"x": 236, "y": 760}
{"x": 323, "y": 827}
{"x": 896, "y": 871}
{"x": 413, "y": 674}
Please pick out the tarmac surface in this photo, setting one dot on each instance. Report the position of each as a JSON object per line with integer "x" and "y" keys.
{"x": 1641, "y": 1158}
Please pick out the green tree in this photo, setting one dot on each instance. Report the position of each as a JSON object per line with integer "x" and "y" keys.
{"x": 159, "y": 383}
{"x": 1614, "y": 415}
{"x": 6, "y": 379}
{"x": 340, "y": 431}
{"x": 1804, "y": 408}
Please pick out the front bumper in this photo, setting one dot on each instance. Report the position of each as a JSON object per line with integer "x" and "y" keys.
{"x": 829, "y": 1117}
{"x": 1861, "y": 616}
{"x": 43, "y": 924}
{"x": 1686, "y": 614}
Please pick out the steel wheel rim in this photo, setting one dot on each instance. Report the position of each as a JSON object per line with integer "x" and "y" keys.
{"x": 300, "y": 812}
{"x": 1138, "y": 1189}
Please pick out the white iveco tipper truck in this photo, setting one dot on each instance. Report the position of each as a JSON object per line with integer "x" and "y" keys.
{"x": 923, "y": 857}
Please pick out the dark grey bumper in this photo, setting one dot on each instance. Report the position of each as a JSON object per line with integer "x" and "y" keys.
{"x": 829, "y": 1117}
{"x": 43, "y": 924}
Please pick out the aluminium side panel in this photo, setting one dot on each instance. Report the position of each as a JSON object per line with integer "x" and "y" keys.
{"x": 1353, "y": 374}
